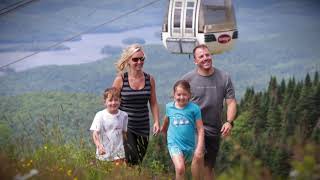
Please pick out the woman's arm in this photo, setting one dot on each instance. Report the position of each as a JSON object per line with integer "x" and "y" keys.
{"x": 154, "y": 107}
{"x": 118, "y": 82}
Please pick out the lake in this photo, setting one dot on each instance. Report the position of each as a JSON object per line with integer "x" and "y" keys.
{"x": 88, "y": 49}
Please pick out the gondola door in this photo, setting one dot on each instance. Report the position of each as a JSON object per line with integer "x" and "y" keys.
{"x": 182, "y": 26}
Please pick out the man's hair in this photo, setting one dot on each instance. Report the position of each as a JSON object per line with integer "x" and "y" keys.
{"x": 111, "y": 93}
{"x": 199, "y": 46}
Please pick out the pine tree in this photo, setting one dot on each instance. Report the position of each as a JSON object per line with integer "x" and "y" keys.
{"x": 291, "y": 113}
{"x": 245, "y": 101}
{"x": 282, "y": 91}
{"x": 273, "y": 89}
{"x": 256, "y": 115}
{"x": 316, "y": 78}
{"x": 274, "y": 119}
{"x": 315, "y": 113}
{"x": 304, "y": 118}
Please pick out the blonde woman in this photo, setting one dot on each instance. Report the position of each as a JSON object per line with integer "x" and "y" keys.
{"x": 137, "y": 90}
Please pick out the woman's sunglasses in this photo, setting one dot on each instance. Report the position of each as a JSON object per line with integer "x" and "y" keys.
{"x": 138, "y": 58}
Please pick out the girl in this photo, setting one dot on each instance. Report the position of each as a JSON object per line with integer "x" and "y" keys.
{"x": 182, "y": 117}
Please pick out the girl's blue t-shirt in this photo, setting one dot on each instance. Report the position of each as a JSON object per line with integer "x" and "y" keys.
{"x": 182, "y": 125}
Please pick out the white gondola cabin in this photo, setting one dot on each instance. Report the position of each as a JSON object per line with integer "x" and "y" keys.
{"x": 191, "y": 22}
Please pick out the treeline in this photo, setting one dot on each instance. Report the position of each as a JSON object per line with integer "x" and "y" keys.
{"x": 276, "y": 135}
{"x": 272, "y": 124}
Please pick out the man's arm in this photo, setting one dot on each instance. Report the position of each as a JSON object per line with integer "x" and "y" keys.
{"x": 231, "y": 115}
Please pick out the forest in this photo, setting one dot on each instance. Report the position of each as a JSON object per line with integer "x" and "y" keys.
{"x": 276, "y": 136}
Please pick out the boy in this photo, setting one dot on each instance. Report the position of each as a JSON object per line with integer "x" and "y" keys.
{"x": 109, "y": 127}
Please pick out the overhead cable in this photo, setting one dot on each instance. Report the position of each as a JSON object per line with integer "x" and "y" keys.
{"x": 14, "y": 6}
{"x": 79, "y": 34}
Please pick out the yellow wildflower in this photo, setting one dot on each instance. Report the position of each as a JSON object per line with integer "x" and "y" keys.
{"x": 69, "y": 173}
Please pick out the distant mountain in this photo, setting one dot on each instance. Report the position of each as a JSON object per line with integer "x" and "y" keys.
{"x": 247, "y": 64}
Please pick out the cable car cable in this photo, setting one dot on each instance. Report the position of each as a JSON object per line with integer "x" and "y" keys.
{"x": 79, "y": 34}
{"x": 14, "y": 6}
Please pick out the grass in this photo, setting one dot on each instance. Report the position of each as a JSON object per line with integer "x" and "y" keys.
{"x": 47, "y": 152}
{"x": 69, "y": 161}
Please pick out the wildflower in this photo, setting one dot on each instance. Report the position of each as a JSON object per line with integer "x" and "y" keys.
{"x": 29, "y": 163}
{"x": 45, "y": 147}
{"x": 69, "y": 172}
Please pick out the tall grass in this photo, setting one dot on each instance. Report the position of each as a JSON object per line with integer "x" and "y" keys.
{"x": 47, "y": 151}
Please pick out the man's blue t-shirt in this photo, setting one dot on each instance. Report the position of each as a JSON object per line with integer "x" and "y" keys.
{"x": 182, "y": 125}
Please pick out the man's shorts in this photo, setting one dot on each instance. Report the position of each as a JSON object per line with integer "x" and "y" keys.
{"x": 175, "y": 150}
{"x": 212, "y": 144}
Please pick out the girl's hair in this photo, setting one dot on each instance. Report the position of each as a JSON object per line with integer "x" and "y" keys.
{"x": 183, "y": 84}
{"x": 110, "y": 93}
{"x": 122, "y": 63}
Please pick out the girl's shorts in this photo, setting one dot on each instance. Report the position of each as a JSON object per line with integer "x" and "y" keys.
{"x": 175, "y": 150}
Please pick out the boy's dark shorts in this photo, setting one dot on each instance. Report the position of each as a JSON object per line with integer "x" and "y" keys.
{"x": 212, "y": 144}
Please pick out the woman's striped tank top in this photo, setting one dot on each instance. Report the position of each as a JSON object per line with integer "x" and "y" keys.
{"x": 135, "y": 104}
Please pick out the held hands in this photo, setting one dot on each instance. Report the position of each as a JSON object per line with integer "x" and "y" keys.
{"x": 156, "y": 128}
{"x": 226, "y": 129}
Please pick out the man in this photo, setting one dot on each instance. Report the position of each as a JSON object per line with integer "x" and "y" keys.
{"x": 210, "y": 88}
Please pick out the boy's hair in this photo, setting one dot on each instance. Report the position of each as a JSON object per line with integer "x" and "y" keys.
{"x": 182, "y": 83}
{"x": 111, "y": 93}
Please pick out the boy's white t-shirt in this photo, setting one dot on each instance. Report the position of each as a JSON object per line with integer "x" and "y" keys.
{"x": 111, "y": 127}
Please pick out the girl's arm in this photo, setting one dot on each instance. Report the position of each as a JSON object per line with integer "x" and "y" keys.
{"x": 96, "y": 140}
{"x": 154, "y": 107}
{"x": 200, "y": 143}
{"x": 164, "y": 128}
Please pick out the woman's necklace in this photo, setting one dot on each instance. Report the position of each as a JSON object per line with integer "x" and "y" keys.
{"x": 136, "y": 82}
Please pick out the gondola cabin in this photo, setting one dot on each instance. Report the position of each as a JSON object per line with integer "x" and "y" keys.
{"x": 188, "y": 23}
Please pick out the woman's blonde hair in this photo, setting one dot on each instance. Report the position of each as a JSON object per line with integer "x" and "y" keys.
{"x": 122, "y": 63}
